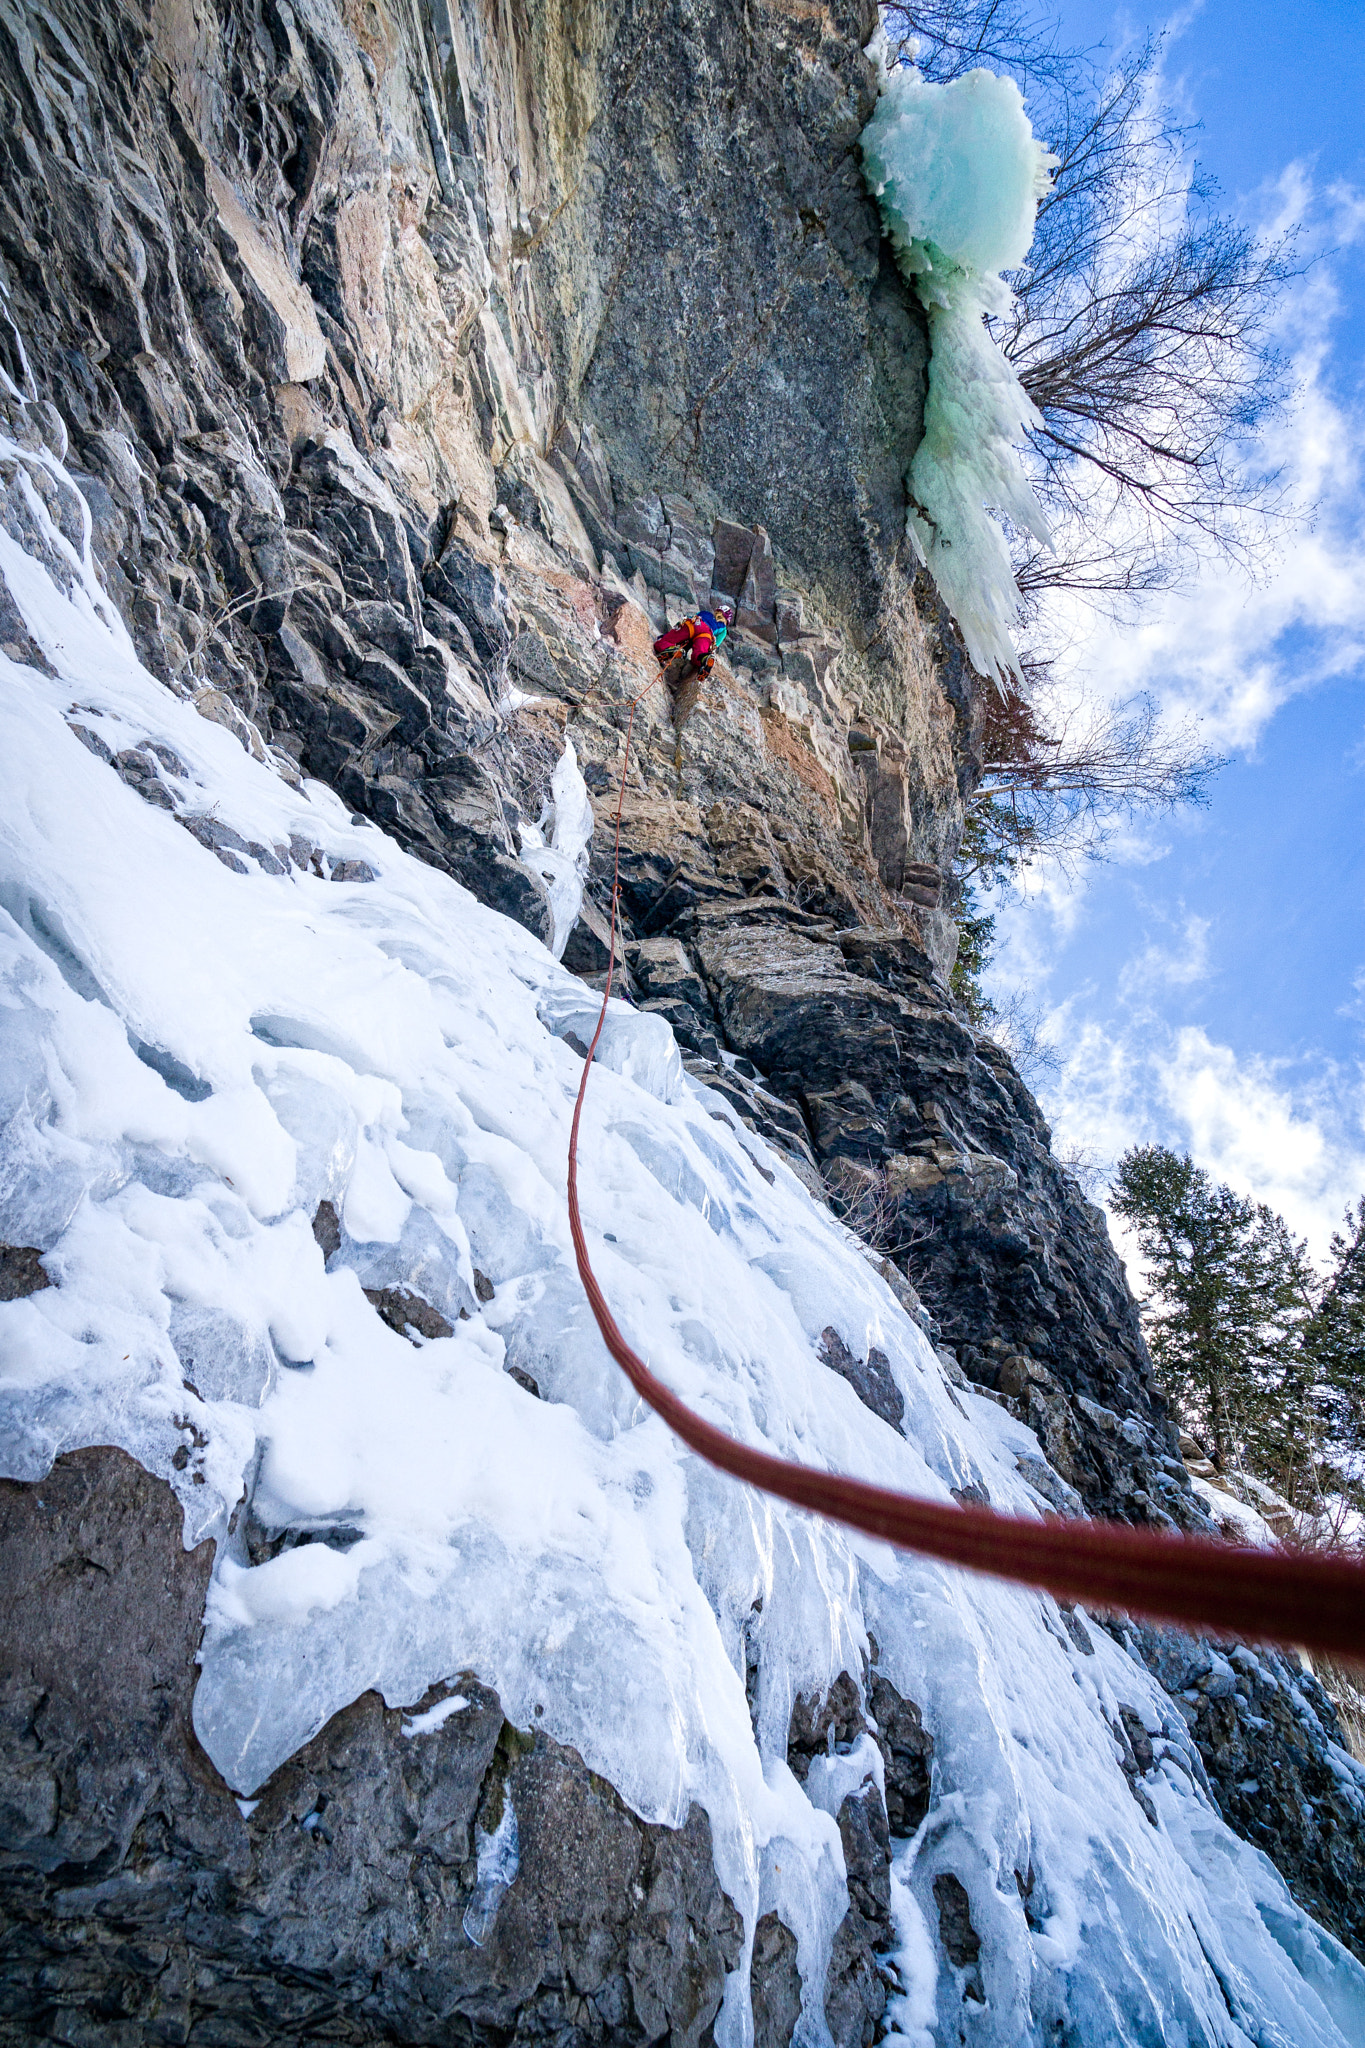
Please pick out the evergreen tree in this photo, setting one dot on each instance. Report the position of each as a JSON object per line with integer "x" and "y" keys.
{"x": 1334, "y": 1348}
{"x": 975, "y": 937}
{"x": 1231, "y": 1293}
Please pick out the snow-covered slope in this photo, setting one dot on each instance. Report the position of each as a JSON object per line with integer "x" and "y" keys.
{"x": 201, "y": 1047}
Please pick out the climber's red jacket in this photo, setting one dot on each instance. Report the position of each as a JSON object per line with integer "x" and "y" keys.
{"x": 697, "y": 635}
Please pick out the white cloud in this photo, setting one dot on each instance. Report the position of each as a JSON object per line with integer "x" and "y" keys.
{"x": 1285, "y": 1135}
{"x": 1290, "y": 1133}
{"x": 1300, "y": 1148}
{"x": 1225, "y": 649}
{"x": 1157, "y": 967}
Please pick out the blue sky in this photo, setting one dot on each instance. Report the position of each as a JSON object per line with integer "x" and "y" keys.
{"x": 1206, "y": 987}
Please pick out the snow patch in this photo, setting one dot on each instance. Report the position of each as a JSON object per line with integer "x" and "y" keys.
{"x": 435, "y": 1717}
{"x": 556, "y": 850}
{"x": 1236, "y": 1518}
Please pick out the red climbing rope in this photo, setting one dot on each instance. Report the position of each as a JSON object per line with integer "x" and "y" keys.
{"x": 1280, "y": 1596}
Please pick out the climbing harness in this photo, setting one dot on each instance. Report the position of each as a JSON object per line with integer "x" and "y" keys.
{"x": 1279, "y": 1596}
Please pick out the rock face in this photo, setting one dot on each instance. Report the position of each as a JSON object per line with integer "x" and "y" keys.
{"x": 359, "y": 1896}
{"x": 758, "y": 355}
{"x": 856, "y": 1985}
{"x": 1270, "y": 1742}
{"x": 418, "y": 363}
{"x": 324, "y": 363}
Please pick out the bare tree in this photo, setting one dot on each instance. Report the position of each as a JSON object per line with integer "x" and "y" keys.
{"x": 1063, "y": 787}
{"x": 1059, "y": 787}
{"x": 1087, "y": 1168}
{"x": 950, "y": 38}
{"x": 1141, "y": 330}
{"x": 1018, "y": 1027}
{"x": 864, "y": 1198}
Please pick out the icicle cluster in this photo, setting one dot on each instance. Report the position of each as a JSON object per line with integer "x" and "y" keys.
{"x": 957, "y": 173}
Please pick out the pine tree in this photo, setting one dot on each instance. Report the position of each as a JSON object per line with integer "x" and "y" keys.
{"x": 975, "y": 937}
{"x": 1231, "y": 1293}
{"x": 1334, "y": 1348}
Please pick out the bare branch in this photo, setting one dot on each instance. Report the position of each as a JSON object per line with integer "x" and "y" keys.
{"x": 863, "y": 1197}
{"x": 1062, "y": 787}
{"x": 1016, "y": 1025}
{"x": 953, "y": 38}
{"x": 1087, "y": 1168}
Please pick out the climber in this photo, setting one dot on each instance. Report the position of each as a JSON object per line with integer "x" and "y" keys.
{"x": 686, "y": 653}
{"x": 698, "y": 637}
